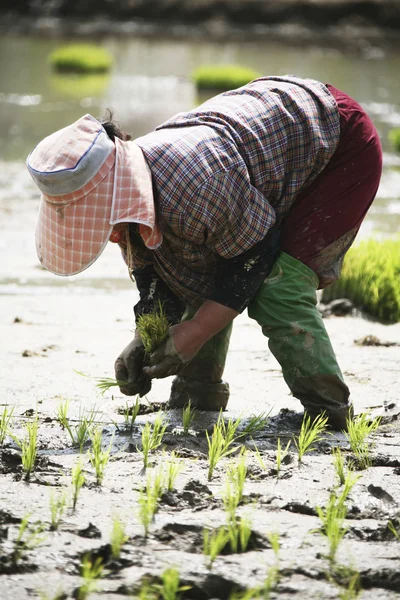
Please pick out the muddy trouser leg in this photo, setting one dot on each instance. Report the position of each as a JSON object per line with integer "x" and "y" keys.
{"x": 285, "y": 307}
{"x": 201, "y": 380}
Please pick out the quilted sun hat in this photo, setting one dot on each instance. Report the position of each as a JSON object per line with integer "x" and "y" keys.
{"x": 89, "y": 183}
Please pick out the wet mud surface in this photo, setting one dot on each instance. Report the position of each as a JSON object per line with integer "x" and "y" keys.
{"x": 51, "y": 328}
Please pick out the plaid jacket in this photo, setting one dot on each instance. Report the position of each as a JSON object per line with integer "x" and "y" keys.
{"x": 225, "y": 171}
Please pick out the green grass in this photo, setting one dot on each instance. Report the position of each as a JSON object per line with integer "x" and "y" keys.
{"x": 371, "y": 279}
{"x": 81, "y": 58}
{"x": 223, "y": 77}
{"x": 394, "y": 138}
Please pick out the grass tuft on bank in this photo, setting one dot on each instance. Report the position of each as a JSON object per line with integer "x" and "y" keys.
{"x": 81, "y": 58}
{"x": 222, "y": 77}
{"x": 371, "y": 279}
{"x": 394, "y": 138}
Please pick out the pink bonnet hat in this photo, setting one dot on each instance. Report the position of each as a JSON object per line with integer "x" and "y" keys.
{"x": 88, "y": 184}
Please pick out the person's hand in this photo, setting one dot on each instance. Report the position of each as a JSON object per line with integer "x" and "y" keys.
{"x": 129, "y": 368}
{"x": 181, "y": 345}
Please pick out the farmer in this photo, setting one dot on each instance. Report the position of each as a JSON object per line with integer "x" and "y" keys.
{"x": 249, "y": 201}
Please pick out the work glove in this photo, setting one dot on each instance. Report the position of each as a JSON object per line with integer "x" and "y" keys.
{"x": 129, "y": 367}
{"x": 165, "y": 360}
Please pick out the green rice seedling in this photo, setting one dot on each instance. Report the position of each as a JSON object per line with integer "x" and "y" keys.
{"x": 273, "y": 538}
{"x": 394, "y": 138}
{"x": 222, "y": 77}
{"x": 152, "y": 437}
{"x": 311, "y": 432}
{"x": 58, "y": 505}
{"x": 78, "y": 480}
{"x": 213, "y": 543}
{"x": 153, "y": 328}
{"x": 105, "y": 383}
{"x": 172, "y": 468}
{"x": 28, "y": 446}
{"x": 80, "y": 432}
{"x": 237, "y": 473}
{"x": 130, "y": 414}
{"x": 358, "y": 430}
{"x": 255, "y": 424}
{"x": 97, "y": 456}
{"x": 280, "y": 456}
{"x": 333, "y": 515}
{"x": 91, "y": 571}
{"x": 169, "y": 589}
{"x": 118, "y": 537}
{"x": 81, "y": 58}
{"x": 219, "y": 445}
{"x": 62, "y": 414}
{"x": 393, "y": 530}
{"x": 353, "y": 590}
{"x": 148, "y": 500}
{"x": 5, "y": 423}
{"x": 229, "y": 429}
{"x": 270, "y": 582}
{"x": 339, "y": 464}
{"x": 239, "y": 533}
{"x": 28, "y": 538}
{"x": 188, "y": 416}
{"x": 370, "y": 279}
{"x": 259, "y": 458}
{"x": 230, "y": 499}
{"x": 250, "y": 594}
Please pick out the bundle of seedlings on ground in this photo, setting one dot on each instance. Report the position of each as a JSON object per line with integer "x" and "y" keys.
{"x": 371, "y": 279}
{"x": 97, "y": 456}
{"x": 152, "y": 437}
{"x": 394, "y": 138}
{"x": 29, "y": 537}
{"x": 153, "y": 328}
{"x": 223, "y": 77}
{"x": 5, "y": 423}
{"x": 311, "y": 432}
{"x": 28, "y": 446}
{"x": 81, "y": 58}
{"x": 358, "y": 430}
{"x": 118, "y": 538}
{"x": 91, "y": 572}
{"x": 148, "y": 500}
{"x": 79, "y": 433}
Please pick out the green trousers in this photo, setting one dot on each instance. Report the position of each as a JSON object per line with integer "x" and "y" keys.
{"x": 285, "y": 308}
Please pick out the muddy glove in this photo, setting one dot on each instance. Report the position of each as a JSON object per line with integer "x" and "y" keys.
{"x": 129, "y": 367}
{"x": 165, "y": 360}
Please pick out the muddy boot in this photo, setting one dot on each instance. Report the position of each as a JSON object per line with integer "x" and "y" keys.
{"x": 285, "y": 307}
{"x": 201, "y": 380}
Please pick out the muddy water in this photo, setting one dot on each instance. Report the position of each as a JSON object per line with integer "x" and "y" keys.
{"x": 50, "y": 327}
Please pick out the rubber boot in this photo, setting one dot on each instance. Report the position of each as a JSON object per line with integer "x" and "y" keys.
{"x": 285, "y": 307}
{"x": 200, "y": 382}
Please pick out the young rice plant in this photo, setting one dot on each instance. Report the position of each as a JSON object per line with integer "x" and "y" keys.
{"x": 58, "y": 505}
{"x": 5, "y": 423}
{"x": 311, "y": 432}
{"x": 78, "y": 479}
{"x": 97, "y": 456}
{"x": 358, "y": 430}
{"x": 152, "y": 437}
{"x": 28, "y": 446}
{"x": 118, "y": 537}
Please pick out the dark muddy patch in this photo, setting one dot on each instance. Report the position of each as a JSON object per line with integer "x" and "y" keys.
{"x": 379, "y": 532}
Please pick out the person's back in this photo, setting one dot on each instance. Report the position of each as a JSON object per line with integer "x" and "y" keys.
{"x": 276, "y": 134}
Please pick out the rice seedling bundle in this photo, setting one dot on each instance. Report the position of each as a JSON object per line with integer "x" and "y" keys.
{"x": 153, "y": 328}
{"x": 371, "y": 279}
{"x": 223, "y": 77}
{"x": 81, "y": 58}
{"x": 394, "y": 138}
